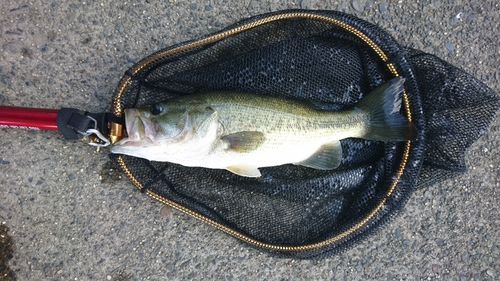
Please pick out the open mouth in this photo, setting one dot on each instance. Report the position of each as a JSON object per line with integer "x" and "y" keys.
{"x": 140, "y": 130}
{"x": 134, "y": 125}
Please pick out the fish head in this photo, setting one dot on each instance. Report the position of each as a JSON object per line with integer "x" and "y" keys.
{"x": 158, "y": 123}
{"x": 161, "y": 132}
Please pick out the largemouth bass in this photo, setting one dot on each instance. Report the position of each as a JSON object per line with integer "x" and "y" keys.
{"x": 242, "y": 132}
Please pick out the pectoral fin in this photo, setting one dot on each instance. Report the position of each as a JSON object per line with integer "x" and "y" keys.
{"x": 244, "y": 141}
{"x": 244, "y": 170}
{"x": 327, "y": 157}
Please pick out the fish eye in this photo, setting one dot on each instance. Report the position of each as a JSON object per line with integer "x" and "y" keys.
{"x": 155, "y": 109}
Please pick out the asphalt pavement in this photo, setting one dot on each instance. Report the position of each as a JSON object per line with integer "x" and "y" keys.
{"x": 71, "y": 217}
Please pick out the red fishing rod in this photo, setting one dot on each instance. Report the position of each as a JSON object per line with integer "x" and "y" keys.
{"x": 72, "y": 123}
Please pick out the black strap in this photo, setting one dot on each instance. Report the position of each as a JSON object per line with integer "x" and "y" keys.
{"x": 113, "y": 118}
{"x": 71, "y": 121}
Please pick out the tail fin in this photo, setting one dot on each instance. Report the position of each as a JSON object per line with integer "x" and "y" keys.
{"x": 386, "y": 122}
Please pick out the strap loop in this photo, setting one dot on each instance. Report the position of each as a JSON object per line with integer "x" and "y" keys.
{"x": 74, "y": 123}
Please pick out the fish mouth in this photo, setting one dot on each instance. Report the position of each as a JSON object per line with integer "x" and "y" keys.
{"x": 140, "y": 129}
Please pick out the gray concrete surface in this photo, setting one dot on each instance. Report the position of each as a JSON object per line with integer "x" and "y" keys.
{"x": 69, "y": 225}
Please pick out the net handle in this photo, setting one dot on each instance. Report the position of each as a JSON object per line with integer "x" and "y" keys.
{"x": 70, "y": 122}
{"x": 28, "y": 118}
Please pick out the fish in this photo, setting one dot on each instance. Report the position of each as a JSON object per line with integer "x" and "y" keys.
{"x": 242, "y": 132}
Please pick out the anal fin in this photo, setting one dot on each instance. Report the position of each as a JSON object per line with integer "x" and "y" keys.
{"x": 327, "y": 157}
{"x": 244, "y": 170}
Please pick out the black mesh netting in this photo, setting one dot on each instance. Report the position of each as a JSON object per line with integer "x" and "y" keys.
{"x": 313, "y": 58}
